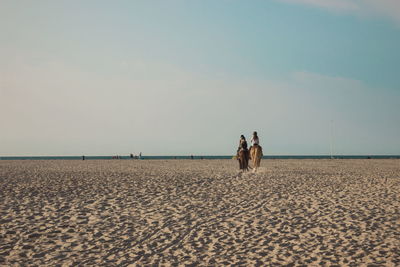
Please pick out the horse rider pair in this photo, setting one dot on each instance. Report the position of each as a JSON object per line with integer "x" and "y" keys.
{"x": 255, "y": 153}
{"x": 255, "y": 141}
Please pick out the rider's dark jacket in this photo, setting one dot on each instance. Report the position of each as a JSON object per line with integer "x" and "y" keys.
{"x": 242, "y": 145}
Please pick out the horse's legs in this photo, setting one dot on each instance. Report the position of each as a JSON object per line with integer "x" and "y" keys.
{"x": 242, "y": 162}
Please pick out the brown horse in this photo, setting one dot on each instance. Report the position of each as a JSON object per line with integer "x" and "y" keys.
{"x": 255, "y": 156}
{"x": 243, "y": 157}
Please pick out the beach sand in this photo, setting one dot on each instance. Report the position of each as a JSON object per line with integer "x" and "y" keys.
{"x": 200, "y": 212}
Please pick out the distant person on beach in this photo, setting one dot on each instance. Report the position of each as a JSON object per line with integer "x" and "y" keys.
{"x": 243, "y": 154}
{"x": 254, "y": 140}
{"x": 242, "y": 143}
{"x": 255, "y": 151}
{"x": 191, "y": 157}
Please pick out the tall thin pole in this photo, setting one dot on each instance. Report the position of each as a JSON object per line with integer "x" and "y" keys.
{"x": 331, "y": 138}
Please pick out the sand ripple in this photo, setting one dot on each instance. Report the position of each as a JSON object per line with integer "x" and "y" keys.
{"x": 200, "y": 212}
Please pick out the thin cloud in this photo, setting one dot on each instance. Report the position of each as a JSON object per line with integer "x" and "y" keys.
{"x": 320, "y": 81}
{"x": 339, "y": 5}
{"x": 383, "y": 8}
{"x": 389, "y": 8}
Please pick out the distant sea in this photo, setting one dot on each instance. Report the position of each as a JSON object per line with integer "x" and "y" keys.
{"x": 201, "y": 157}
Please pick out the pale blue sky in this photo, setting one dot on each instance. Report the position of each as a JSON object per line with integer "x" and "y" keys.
{"x": 189, "y": 77}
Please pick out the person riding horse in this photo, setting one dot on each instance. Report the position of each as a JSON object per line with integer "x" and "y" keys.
{"x": 255, "y": 141}
{"x": 242, "y": 143}
{"x": 243, "y": 153}
{"x": 255, "y": 151}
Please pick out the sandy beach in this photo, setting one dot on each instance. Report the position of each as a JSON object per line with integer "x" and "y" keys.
{"x": 200, "y": 213}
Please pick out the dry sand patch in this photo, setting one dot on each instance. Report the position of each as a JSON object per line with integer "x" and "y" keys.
{"x": 200, "y": 212}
